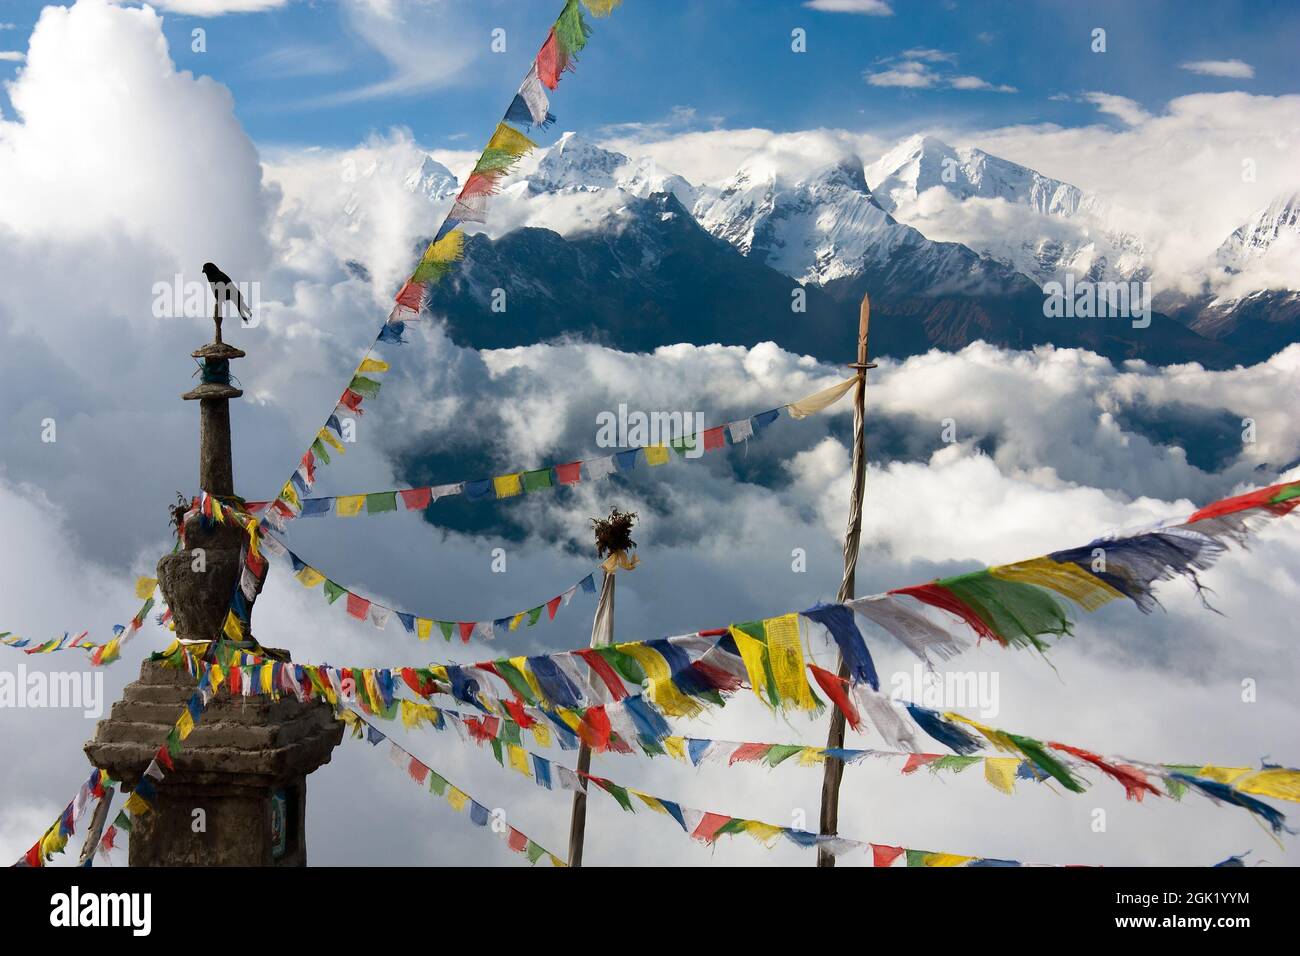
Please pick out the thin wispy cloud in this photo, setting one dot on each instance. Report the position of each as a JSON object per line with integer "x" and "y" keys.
{"x": 299, "y": 60}
{"x": 925, "y": 68}
{"x": 871, "y": 8}
{"x": 1230, "y": 69}
{"x": 12, "y": 56}
{"x": 217, "y": 8}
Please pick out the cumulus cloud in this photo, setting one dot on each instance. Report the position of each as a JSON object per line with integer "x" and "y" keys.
{"x": 923, "y": 68}
{"x": 1230, "y": 69}
{"x": 1125, "y": 109}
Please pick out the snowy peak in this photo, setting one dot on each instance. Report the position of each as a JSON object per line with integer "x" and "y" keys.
{"x": 815, "y": 225}
{"x": 1277, "y": 223}
{"x": 432, "y": 179}
{"x": 574, "y": 164}
{"x": 924, "y": 162}
{"x": 1042, "y": 227}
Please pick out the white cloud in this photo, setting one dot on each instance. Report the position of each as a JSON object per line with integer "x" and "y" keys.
{"x": 1127, "y": 110}
{"x": 909, "y": 74}
{"x": 874, "y": 8}
{"x": 912, "y": 69}
{"x": 215, "y": 8}
{"x": 11, "y": 56}
{"x": 1232, "y": 69}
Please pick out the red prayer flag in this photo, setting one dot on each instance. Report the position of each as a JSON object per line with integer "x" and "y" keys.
{"x": 411, "y": 296}
{"x": 594, "y": 729}
{"x": 553, "y": 605}
{"x": 164, "y": 758}
{"x": 548, "y": 62}
{"x": 34, "y": 855}
{"x": 569, "y": 474}
{"x": 834, "y": 688}
{"x": 605, "y": 672}
{"x": 517, "y": 841}
{"x": 714, "y": 438}
{"x": 709, "y": 826}
{"x": 466, "y": 629}
{"x": 1252, "y": 499}
{"x": 884, "y": 855}
{"x": 916, "y": 761}
{"x": 351, "y": 400}
{"x": 515, "y": 708}
{"x": 358, "y": 606}
{"x": 936, "y": 595}
{"x": 417, "y": 771}
{"x": 417, "y": 499}
{"x": 748, "y": 753}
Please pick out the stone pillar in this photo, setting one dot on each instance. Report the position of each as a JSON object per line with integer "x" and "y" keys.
{"x": 237, "y": 795}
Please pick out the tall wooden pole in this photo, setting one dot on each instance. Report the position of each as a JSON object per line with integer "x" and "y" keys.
{"x": 96, "y": 828}
{"x": 834, "y": 771}
{"x": 602, "y": 635}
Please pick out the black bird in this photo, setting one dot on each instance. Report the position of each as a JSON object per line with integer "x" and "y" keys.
{"x": 224, "y": 290}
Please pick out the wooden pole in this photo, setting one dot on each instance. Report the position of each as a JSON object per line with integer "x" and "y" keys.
{"x": 834, "y": 770}
{"x": 96, "y": 828}
{"x": 602, "y": 635}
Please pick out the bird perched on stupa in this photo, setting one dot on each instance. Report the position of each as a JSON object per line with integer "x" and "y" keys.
{"x": 224, "y": 290}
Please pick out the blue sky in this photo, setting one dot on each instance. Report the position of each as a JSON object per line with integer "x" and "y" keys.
{"x": 295, "y": 71}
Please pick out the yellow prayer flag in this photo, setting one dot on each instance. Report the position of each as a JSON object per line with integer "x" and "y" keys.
{"x": 327, "y": 436}
{"x": 519, "y": 759}
{"x": 753, "y": 652}
{"x": 507, "y": 486}
{"x": 1065, "y": 578}
{"x": 675, "y": 747}
{"x": 521, "y": 664}
{"x": 514, "y": 621}
{"x": 217, "y": 676}
{"x": 266, "y": 673}
{"x": 764, "y": 833}
{"x": 372, "y": 365}
{"x": 184, "y": 725}
{"x": 945, "y": 859}
{"x": 457, "y": 799}
{"x": 1278, "y": 782}
{"x": 996, "y": 737}
{"x": 511, "y": 140}
{"x": 290, "y": 496}
{"x": 309, "y": 577}
{"x": 423, "y": 628}
{"x": 785, "y": 654}
{"x": 656, "y": 454}
{"x": 1226, "y": 775}
{"x": 349, "y": 506}
{"x": 542, "y": 734}
{"x": 1000, "y": 772}
{"x": 136, "y": 805}
{"x": 811, "y": 756}
{"x": 144, "y": 587}
{"x": 233, "y": 628}
{"x": 659, "y": 685}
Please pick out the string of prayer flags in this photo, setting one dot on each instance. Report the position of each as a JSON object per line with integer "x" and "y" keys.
{"x": 424, "y": 775}
{"x": 378, "y": 615}
{"x": 55, "y": 839}
{"x": 100, "y": 653}
{"x": 619, "y": 726}
{"x": 531, "y": 481}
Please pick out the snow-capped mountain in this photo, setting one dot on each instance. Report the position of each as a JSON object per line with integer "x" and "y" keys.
{"x": 431, "y": 179}
{"x": 575, "y": 164}
{"x": 1276, "y": 225}
{"x": 1042, "y": 227}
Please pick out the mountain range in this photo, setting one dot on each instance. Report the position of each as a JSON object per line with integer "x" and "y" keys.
{"x": 638, "y": 257}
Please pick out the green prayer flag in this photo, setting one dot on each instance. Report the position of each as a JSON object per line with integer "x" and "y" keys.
{"x": 917, "y": 857}
{"x": 510, "y": 733}
{"x": 626, "y": 666}
{"x": 534, "y": 614}
{"x": 381, "y": 501}
{"x": 619, "y": 794}
{"x": 538, "y": 480}
{"x": 953, "y": 762}
{"x": 734, "y": 825}
{"x": 496, "y": 750}
{"x": 780, "y": 752}
{"x": 446, "y": 628}
{"x": 683, "y": 445}
{"x": 436, "y": 783}
{"x": 364, "y": 386}
{"x": 534, "y": 852}
{"x": 333, "y": 592}
{"x": 318, "y": 449}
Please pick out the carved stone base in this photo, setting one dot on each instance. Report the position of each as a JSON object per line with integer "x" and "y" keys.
{"x": 237, "y": 795}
